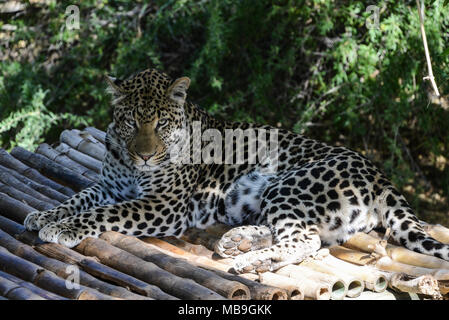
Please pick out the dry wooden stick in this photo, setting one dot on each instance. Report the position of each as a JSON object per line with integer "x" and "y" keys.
{"x": 258, "y": 291}
{"x": 365, "y": 242}
{"x": 336, "y": 287}
{"x": 198, "y": 236}
{"x": 426, "y": 50}
{"x": 45, "y": 279}
{"x": 14, "y": 209}
{"x": 86, "y": 135}
{"x": 14, "y": 291}
{"x": 81, "y": 142}
{"x": 25, "y": 198}
{"x": 294, "y": 290}
{"x": 355, "y": 285}
{"x": 438, "y": 232}
{"x": 146, "y": 271}
{"x": 352, "y": 256}
{"x": 55, "y": 197}
{"x": 18, "y": 230}
{"x": 79, "y": 157}
{"x": 9, "y": 177}
{"x": 12, "y": 163}
{"x": 179, "y": 267}
{"x": 374, "y": 280}
{"x": 425, "y": 284}
{"x": 70, "y": 257}
{"x": 54, "y": 155}
{"x": 179, "y": 252}
{"x": 39, "y": 291}
{"x": 91, "y": 266}
{"x": 385, "y": 263}
{"x": 97, "y": 134}
{"x": 61, "y": 268}
{"x": 195, "y": 249}
{"x": 52, "y": 169}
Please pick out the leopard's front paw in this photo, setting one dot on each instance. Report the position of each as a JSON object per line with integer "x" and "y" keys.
{"x": 36, "y": 220}
{"x": 254, "y": 262}
{"x": 243, "y": 239}
{"x": 62, "y": 233}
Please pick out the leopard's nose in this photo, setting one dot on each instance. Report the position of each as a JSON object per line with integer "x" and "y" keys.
{"x": 145, "y": 156}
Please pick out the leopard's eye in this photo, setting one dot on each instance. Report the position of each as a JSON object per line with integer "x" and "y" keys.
{"x": 162, "y": 123}
{"x": 130, "y": 123}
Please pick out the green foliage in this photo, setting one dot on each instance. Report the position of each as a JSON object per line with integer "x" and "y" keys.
{"x": 309, "y": 65}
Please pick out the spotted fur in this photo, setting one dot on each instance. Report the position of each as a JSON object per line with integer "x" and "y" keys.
{"x": 318, "y": 195}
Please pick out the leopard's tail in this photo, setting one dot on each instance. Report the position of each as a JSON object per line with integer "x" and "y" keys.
{"x": 405, "y": 228}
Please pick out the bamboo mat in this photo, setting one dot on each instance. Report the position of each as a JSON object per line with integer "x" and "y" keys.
{"x": 122, "y": 267}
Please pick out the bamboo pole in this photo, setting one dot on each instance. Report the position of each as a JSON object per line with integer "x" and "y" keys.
{"x": 146, "y": 271}
{"x": 200, "y": 237}
{"x": 373, "y": 279}
{"x": 32, "y": 174}
{"x": 425, "y": 284}
{"x": 79, "y": 157}
{"x": 258, "y": 291}
{"x": 385, "y": 263}
{"x": 92, "y": 266}
{"x": 438, "y": 232}
{"x": 195, "y": 249}
{"x": 70, "y": 257}
{"x": 54, "y": 155}
{"x": 179, "y": 267}
{"x": 336, "y": 287}
{"x": 14, "y": 209}
{"x": 293, "y": 288}
{"x": 179, "y": 252}
{"x": 36, "y": 290}
{"x": 14, "y": 291}
{"x": 9, "y": 177}
{"x": 82, "y": 142}
{"x": 45, "y": 279}
{"x": 54, "y": 197}
{"x": 355, "y": 285}
{"x": 25, "y": 198}
{"x": 18, "y": 230}
{"x": 97, "y": 134}
{"x": 62, "y": 269}
{"x": 369, "y": 295}
{"x": 443, "y": 286}
{"x": 52, "y": 169}
{"x": 352, "y": 256}
{"x": 364, "y": 242}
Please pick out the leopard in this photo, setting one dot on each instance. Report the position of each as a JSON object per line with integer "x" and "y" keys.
{"x": 158, "y": 179}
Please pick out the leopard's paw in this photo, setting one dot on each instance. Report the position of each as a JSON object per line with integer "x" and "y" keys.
{"x": 254, "y": 262}
{"x": 36, "y": 220}
{"x": 62, "y": 233}
{"x": 240, "y": 240}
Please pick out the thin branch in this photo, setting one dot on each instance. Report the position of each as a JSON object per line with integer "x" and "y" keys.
{"x": 426, "y": 49}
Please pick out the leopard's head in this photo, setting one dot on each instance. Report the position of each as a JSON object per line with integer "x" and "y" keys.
{"x": 149, "y": 115}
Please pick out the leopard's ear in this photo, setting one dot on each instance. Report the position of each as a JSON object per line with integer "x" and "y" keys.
{"x": 177, "y": 91}
{"x": 114, "y": 85}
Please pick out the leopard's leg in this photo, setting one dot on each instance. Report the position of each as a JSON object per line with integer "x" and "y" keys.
{"x": 405, "y": 227}
{"x": 298, "y": 242}
{"x": 135, "y": 217}
{"x": 88, "y": 198}
{"x": 243, "y": 239}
